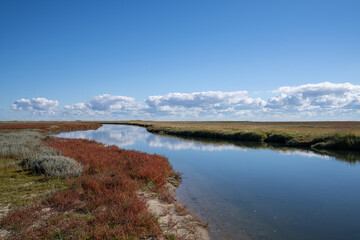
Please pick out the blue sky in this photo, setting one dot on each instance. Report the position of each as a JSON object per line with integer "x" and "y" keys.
{"x": 172, "y": 60}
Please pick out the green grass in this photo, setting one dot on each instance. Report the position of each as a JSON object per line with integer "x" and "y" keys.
{"x": 20, "y": 188}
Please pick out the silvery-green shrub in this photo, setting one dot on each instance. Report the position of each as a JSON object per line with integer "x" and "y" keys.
{"x": 27, "y": 146}
{"x": 24, "y": 144}
{"x": 54, "y": 166}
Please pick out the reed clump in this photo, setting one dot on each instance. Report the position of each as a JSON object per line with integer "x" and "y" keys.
{"x": 348, "y": 142}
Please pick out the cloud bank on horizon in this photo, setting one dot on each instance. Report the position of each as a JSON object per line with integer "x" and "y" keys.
{"x": 321, "y": 101}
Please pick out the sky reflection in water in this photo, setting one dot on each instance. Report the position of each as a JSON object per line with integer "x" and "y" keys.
{"x": 254, "y": 193}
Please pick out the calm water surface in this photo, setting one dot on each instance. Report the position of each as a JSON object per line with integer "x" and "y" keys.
{"x": 247, "y": 192}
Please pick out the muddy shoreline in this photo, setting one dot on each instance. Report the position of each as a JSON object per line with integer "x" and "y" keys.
{"x": 175, "y": 220}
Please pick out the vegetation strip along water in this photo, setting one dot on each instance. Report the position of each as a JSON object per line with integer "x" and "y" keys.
{"x": 99, "y": 198}
{"x": 315, "y": 135}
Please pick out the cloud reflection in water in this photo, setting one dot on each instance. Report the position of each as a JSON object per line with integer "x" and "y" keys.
{"x": 125, "y": 136}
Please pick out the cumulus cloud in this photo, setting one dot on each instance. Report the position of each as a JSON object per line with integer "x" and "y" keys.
{"x": 75, "y": 109}
{"x": 35, "y": 105}
{"x": 212, "y": 102}
{"x": 322, "y": 96}
{"x": 104, "y": 104}
{"x": 108, "y": 102}
{"x": 321, "y": 101}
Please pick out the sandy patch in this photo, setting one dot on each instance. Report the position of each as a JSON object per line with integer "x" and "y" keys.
{"x": 175, "y": 220}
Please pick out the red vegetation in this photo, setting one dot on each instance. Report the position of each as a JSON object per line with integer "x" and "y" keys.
{"x": 50, "y": 127}
{"x": 102, "y": 203}
{"x": 112, "y": 160}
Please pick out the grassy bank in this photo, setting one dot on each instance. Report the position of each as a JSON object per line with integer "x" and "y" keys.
{"x": 99, "y": 200}
{"x": 24, "y": 178}
{"x": 100, "y": 204}
{"x": 317, "y": 135}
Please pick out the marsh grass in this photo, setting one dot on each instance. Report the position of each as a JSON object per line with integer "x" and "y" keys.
{"x": 100, "y": 204}
{"x": 20, "y": 188}
{"x": 349, "y": 142}
{"x": 319, "y": 135}
{"x": 27, "y": 146}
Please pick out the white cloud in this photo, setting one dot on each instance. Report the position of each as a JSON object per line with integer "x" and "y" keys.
{"x": 104, "y": 104}
{"x": 318, "y": 89}
{"x": 320, "y": 97}
{"x": 203, "y": 103}
{"x": 75, "y": 109}
{"x": 354, "y": 103}
{"x": 321, "y": 101}
{"x": 108, "y": 102}
{"x": 35, "y": 105}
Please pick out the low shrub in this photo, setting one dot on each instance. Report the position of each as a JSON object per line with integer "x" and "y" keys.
{"x": 54, "y": 166}
{"x": 24, "y": 144}
{"x": 112, "y": 160}
{"x": 28, "y": 147}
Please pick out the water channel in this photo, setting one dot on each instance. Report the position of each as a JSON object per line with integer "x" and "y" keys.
{"x": 252, "y": 191}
